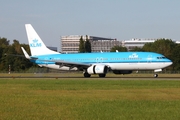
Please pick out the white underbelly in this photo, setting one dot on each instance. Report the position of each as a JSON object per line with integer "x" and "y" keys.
{"x": 137, "y": 66}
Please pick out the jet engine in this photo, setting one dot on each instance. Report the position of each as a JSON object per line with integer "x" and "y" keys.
{"x": 97, "y": 69}
{"x": 122, "y": 71}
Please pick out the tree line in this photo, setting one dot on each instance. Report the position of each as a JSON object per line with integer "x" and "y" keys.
{"x": 12, "y": 55}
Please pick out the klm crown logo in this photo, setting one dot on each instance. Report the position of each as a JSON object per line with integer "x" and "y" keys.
{"x": 35, "y": 43}
{"x": 134, "y": 55}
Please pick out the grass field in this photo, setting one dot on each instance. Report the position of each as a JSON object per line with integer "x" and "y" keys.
{"x": 89, "y": 99}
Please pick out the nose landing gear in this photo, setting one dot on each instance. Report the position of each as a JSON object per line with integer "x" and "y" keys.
{"x": 155, "y": 75}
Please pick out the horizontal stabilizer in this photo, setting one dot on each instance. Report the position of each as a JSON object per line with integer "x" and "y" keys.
{"x": 25, "y": 53}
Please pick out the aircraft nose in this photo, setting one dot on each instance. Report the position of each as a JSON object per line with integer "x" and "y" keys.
{"x": 170, "y": 62}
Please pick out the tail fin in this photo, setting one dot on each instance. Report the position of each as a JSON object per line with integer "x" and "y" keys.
{"x": 37, "y": 47}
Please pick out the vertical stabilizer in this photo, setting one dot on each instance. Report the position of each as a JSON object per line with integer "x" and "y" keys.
{"x": 36, "y": 45}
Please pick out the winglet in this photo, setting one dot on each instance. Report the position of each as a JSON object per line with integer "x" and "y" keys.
{"x": 25, "y": 53}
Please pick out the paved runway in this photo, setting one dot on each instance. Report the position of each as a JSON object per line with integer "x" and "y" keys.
{"x": 95, "y": 77}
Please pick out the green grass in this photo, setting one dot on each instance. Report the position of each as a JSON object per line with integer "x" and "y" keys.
{"x": 89, "y": 99}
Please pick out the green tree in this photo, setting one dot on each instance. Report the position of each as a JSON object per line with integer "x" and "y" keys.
{"x": 162, "y": 46}
{"x": 20, "y": 63}
{"x": 87, "y": 45}
{"x": 136, "y": 49}
{"x": 176, "y": 57}
{"x": 81, "y": 45}
{"x": 119, "y": 48}
{"x": 149, "y": 47}
{"x": 14, "y": 56}
{"x": 4, "y": 46}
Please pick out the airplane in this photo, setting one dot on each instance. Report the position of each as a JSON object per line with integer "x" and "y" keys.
{"x": 93, "y": 63}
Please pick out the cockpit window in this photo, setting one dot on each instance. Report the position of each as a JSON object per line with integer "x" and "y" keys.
{"x": 161, "y": 57}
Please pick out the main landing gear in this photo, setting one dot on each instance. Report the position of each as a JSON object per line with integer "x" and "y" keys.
{"x": 87, "y": 75}
{"x": 102, "y": 75}
{"x": 155, "y": 75}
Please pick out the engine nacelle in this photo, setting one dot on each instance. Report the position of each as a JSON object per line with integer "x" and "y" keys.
{"x": 122, "y": 71}
{"x": 97, "y": 69}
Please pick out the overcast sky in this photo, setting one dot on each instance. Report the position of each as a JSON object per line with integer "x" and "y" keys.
{"x": 120, "y": 19}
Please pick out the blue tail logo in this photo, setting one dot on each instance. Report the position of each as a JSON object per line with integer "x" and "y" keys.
{"x": 35, "y": 43}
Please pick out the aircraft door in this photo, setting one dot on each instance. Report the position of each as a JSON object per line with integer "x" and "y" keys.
{"x": 149, "y": 58}
{"x": 99, "y": 59}
{"x": 45, "y": 62}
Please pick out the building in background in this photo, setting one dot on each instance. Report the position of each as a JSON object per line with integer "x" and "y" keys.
{"x": 130, "y": 44}
{"x": 177, "y": 42}
{"x": 70, "y": 44}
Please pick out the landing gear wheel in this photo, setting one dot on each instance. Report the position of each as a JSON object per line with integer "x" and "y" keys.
{"x": 87, "y": 75}
{"x": 155, "y": 75}
{"x": 102, "y": 75}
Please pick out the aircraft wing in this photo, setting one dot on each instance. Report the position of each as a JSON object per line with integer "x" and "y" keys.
{"x": 72, "y": 64}
{"x": 67, "y": 64}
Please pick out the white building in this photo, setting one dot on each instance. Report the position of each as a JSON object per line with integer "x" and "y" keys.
{"x": 130, "y": 44}
{"x": 177, "y": 42}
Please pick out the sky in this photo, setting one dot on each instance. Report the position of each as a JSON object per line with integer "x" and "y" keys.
{"x": 119, "y": 19}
